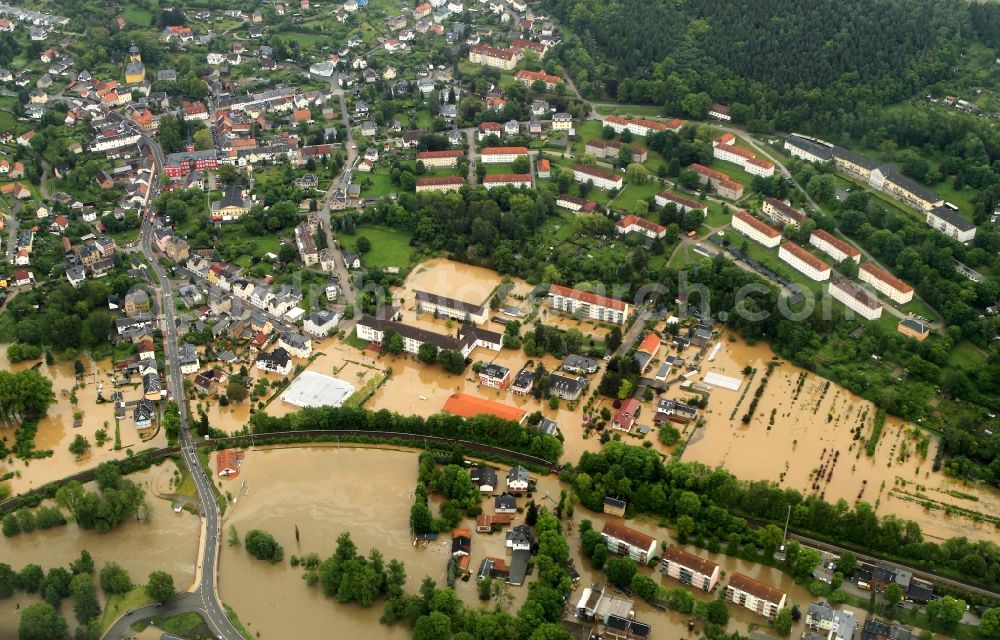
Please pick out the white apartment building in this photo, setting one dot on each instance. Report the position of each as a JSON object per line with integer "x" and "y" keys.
{"x": 756, "y": 230}
{"x": 447, "y": 158}
{"x": 885, "y": 283}
{"x": 804, "y": 262}
{"x": 588, "y": 305}
{"x": 855, "y": 298}
{"x": 629, "y": 542}
{"x": 833, "y": 246}
{"x": 602, "y": 179}
{"x": 755, "y": 596}
{"x": 500, "y": 155}
{"x": 951, "y": 223}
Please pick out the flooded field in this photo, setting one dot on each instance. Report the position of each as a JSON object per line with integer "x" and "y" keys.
{"x": 56, "y": 431}
{"x": 167, "y": 542}
{"x": 325, "y": 498}
{"x": 802, "y": 435}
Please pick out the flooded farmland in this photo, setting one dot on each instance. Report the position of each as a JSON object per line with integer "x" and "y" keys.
{"x": 803, "y": 436}
{"x": 369, "y": 492}
{"x": 56, "y": 430}
{"x": 168, "y": 541}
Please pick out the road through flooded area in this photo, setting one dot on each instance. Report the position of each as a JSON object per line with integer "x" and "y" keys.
{"x": 166, "y": 541}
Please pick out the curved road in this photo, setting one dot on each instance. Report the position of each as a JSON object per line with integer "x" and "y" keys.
{"x": 204, "y": 597}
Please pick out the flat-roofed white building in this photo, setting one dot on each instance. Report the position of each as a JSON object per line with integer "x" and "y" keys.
{"x": 755, "y": 229}
{"x": 885, "y": 283}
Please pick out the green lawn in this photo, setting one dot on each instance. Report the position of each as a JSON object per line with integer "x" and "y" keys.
{"x": 635, "y": 193}
{"x": 305, "y": 39}
{"x": 629, "y": 110}
{"x": 964, "y": 355}
{"x": 390, "y": 248}
{"x": 375, "y": 184}
{"x": 116, "y": 606}
{"x": 137, "y": 16}
{"x": 190, "y": 625}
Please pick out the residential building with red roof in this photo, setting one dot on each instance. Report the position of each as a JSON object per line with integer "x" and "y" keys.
{"x": 724, "y": 148}
{"x": 502, "y": 155}
{"x": 302, "y": 115}
{"x": 721, "y": 182}
{"x": 488, "y": 129}
{"x": 601, "y": 179}
{"x": 520, "y": 45}
{"x": 508, "y": 180}
{"x": 690, "y": 569}
{"x": 629, "y": 542}
{"x": 885, "y": 283}
{"x": 642, "y": 127}
{"x": 855, "y": 298}
{"x": 683, "y": 204}
{"x": 469, "y": 406}
{"x": 833, "y": 246}
{"x": 782, "y": 212}
{"x": 634, "y": 224}
{"x": 544, "y": 168}
{"x": 440, "y": 183}
{"x": 527, "y": 78}
{"x": 446, "y": 158}
{"x": 588, "y": 305}
{"x": 804, "y": 262}
{"x": 755, "y": 596}
{"x": 505, "y": 59}
{"x": 576, "y": 205}
{"x": 755, "y": 229}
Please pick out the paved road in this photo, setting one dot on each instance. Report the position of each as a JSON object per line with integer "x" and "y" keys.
{"x": 204, "y": 598}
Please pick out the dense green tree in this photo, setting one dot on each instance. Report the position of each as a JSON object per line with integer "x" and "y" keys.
{"x": 114, "y": 579}
{"x": 85, "y": 605}
{"x": 41, "y": 621}
{"x": 160, "y": 586}
{"x": 262, "y": 545}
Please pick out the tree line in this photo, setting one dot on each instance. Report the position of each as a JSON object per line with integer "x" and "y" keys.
{"x": 482, "y": 428}
{"x": 715, "y": 505}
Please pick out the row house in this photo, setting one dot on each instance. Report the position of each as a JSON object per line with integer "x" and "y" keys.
{"x": 724, "y": 148}
{"x": 373, "y": 330}
{"x": 306, "y": 245}
{"x": 500, "y": 155}
{"x": 587, "y": 304}
{"x": 947, "y": 220}
{"x": 516, "y": 180}
{"x": 855, "y": 298}
{"x": 450, "y": 308}
{"x": 782, "y": 212}
{"x": 440, "y": 183}
{"x": 634, "y": 224}
{"x": 721, "y": 182}
{"x": 527, "y": 78}
{"x": 601, "y": 179}
{"x": 610, "y": 149}
{"x": 890, "y": 181}
{"x": 576, "y": 205}
{"x": 755, "y": 229}
{"x": 885, "y": 283}
{"x": 629, "y": 542}
{"x": 834, "y": 246}
{"x": 447, "y": 158}
{"x": 641, "y": 127}
{"x": 804, "y": 262}
{"x": 690, "y": 569}
{"x": 755, "y": 596}
{"x": 505, "y": 59}
{"x": 808, "y": 149}
{"x": 296, "y": 345}
{"x": 683, "y": 204}
{"x": 112, "y": 139}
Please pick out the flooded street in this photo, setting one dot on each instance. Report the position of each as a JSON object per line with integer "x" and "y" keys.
{"x": 369, "y": 493}
{"x": 811, "y": 445}
{"x": 56, "y": 431}
{"x": 167, "y": 542}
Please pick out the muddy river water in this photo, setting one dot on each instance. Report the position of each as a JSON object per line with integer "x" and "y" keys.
{"x": 813, "y": 428}
{"x": 167, "y": 541}
{"x": 369, "y": 492}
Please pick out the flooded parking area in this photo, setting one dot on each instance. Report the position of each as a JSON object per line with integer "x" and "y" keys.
{"x": 808, "y": 433}
{"x": 57, "y": 430}
{"x": 167, "y": 541}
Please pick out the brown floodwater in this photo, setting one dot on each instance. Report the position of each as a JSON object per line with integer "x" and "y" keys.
{"x": 811, "y": 447}
{"x": 168, "y": 541}
{"x": 56, "y": 432}
{"x": 369, "y": 492}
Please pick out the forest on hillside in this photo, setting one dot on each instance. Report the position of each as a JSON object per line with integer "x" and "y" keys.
{"x": 783, "y": 63}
